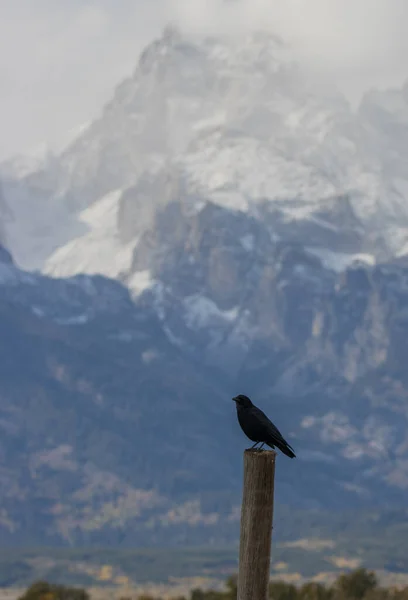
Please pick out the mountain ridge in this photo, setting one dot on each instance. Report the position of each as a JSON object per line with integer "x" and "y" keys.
{"x": 232, "y": 120}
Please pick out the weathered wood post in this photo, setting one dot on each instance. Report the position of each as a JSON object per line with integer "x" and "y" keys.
{"x": 256, "y": 525}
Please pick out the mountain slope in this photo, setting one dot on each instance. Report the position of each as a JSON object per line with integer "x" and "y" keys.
{"x": 116, "y": 417}
{"x": 89, "y": 389}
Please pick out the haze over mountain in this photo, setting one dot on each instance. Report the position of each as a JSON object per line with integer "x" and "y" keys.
{"x": 83, "y": 49}
{"x": 232, "y": 225}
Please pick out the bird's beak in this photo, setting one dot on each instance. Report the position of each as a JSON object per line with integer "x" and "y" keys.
{"x": 234, "y": 399}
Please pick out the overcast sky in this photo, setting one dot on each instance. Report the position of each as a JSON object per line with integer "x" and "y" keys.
{"x": 60, "y": 59}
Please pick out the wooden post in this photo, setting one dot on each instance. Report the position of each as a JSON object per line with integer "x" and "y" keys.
{"x": 256, "y": 525}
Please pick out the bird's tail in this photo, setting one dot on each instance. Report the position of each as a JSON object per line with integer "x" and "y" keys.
{"x": 285, "y": 448}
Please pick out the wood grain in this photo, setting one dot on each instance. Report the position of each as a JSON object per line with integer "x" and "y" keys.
{"x": 256, "y": 525}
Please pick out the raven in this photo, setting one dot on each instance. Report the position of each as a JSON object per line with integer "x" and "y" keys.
{"x": 258, "y": 428}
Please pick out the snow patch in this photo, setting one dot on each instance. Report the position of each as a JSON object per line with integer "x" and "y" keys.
{"x": 75, "y": 133}
{"x": 139, "y": 282}
{"x": 200, "y": 311}
{"x": 340, "y": 261}
{"x": 99, "y": 251}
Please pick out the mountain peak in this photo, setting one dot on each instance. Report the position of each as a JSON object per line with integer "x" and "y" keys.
{"x": 172, "y": 33}
{"x": 258, "y": 49}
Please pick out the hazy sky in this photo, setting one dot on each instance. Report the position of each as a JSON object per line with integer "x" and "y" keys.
{"x": 60, "y": 59}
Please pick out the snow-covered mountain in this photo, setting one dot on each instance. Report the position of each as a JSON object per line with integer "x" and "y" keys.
{"x": 235, "y": 121}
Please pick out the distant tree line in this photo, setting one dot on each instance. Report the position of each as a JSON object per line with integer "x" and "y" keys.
{"x": 42, "y": 590}
{"x": 357, "y": 585}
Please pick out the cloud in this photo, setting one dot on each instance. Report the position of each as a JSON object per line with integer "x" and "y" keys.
{"x": 365, "y": 38}
{"x": 60, "y": 59}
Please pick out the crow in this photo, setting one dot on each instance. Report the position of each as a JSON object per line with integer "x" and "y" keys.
{"x": 258, "y": 428}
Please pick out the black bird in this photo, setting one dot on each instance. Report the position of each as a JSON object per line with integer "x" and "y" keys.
{"x": 256, "y": 425}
